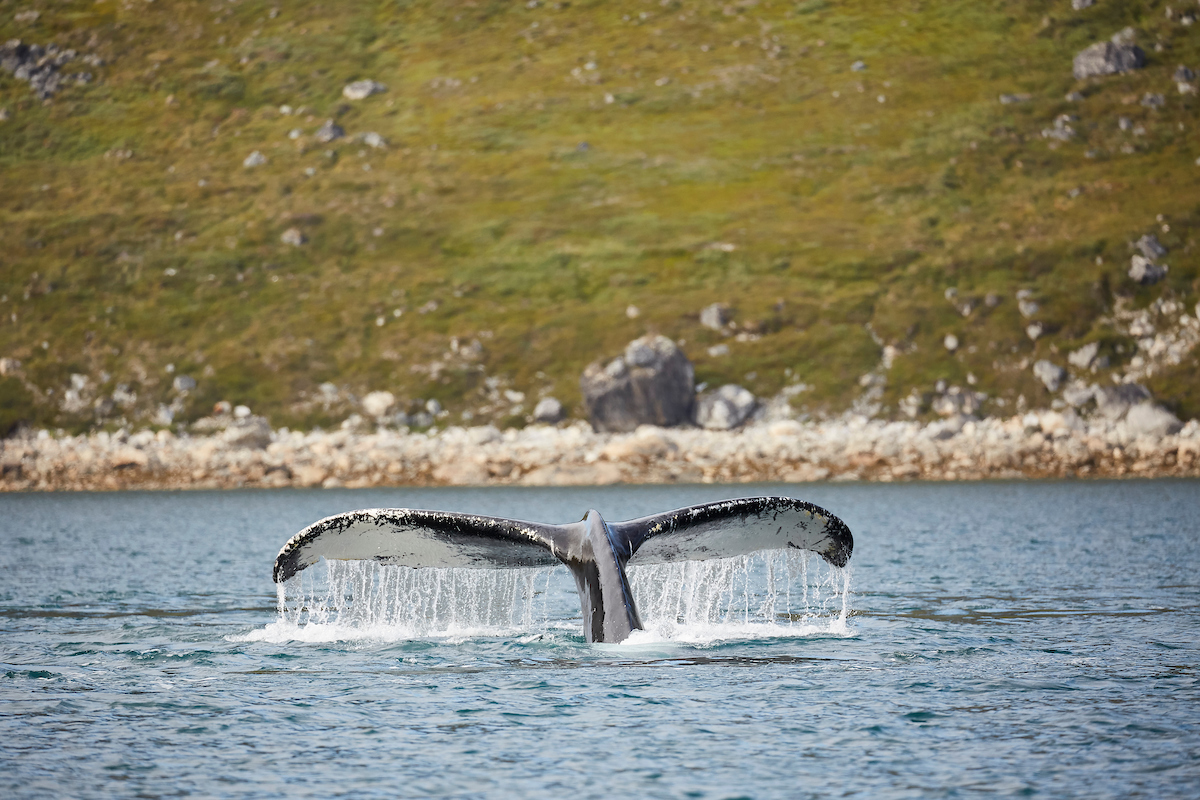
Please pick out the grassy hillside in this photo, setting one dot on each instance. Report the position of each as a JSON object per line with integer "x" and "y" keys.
{"x": 550, "y": 164}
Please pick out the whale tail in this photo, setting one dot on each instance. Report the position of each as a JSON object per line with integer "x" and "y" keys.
{"x": 597, "y": 552}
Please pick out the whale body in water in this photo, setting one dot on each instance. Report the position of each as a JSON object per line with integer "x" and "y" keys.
{"x": 595, "y": 550}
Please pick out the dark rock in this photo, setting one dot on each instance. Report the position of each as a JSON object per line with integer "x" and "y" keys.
{"x": 651, "y": 384}
{"x": 1108, "y": 58}
{"x": 1153, "y": 100}
{"x": 1150, "y": 246}
{"x": 39, "y": 66}
{"x": 1114, "y": 401}
{"x": 1183, "y": 74}
{"x": 329, "y": 132}
{"x": 249, "y": 432}
{"x": 725, "y": 409}
{"x": 1145, "y": 271}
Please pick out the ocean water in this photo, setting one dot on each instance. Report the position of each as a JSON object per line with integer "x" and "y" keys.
{"x": 1002, "y": 639}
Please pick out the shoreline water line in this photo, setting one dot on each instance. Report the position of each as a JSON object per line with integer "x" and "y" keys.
{"x": 1044, "y": 444}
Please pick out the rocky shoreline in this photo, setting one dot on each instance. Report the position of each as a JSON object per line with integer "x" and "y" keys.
{"x": 248, "y": 454}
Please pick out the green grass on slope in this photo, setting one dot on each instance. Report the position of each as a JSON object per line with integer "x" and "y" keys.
{"x": 731, "y": 155}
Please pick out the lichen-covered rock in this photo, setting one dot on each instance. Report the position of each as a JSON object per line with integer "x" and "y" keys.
{"x": 726, "y": 408}
{"x": 653, "y": 383}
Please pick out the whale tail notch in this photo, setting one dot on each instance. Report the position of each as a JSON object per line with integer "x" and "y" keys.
{"x": 597, "y": 552}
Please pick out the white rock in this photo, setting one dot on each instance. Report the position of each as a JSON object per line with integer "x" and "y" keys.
{"x": 1049, "y": 374}
{"x": 293, "y": 236}
{"x": 376, "y": 404}
{"x": 548, "y": 410}
{"x": 361, "y": 90}
{"x": 1084, "y": 356}
{"x": 950, "y": 342}
{"x": 255, "y": 159}
{"x": 714, "y": 316}
{"x": 1150, "y": 419}
{"x": 183, "y": 383}
{"x": 373, "y": 139}
{"x": 725, "y": 408}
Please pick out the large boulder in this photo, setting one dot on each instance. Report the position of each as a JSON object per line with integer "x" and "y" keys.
{"x": 1108, "y": 58}
{"x": 726, "y": 408}
{"x": 1152, "y": 420}
{"x": 651, "y": 384}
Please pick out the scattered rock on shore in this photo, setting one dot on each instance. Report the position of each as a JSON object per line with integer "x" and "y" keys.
{"x": 1150, "y": 419}
{"x": 376, "y": 404}
{"x": 725, "y": 409}
{"x": 548, "y": 410}
{"x": 248, "y": 432}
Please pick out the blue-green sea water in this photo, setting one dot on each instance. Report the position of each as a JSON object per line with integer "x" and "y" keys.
{"x": 1023, "y": 639}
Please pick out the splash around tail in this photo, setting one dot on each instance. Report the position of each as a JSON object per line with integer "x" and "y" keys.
{"x": 596, "y": 552}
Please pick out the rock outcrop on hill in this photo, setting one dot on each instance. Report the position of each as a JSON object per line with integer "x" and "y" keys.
{"x": 1108, "y": 58}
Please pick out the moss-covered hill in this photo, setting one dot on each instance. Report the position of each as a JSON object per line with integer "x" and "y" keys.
{"x": 548, "y": 165}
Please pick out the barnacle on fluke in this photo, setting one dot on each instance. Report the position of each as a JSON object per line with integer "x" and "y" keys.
{"x": 595, "y": 551}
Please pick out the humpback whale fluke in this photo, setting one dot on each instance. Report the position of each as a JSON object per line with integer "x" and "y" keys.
{"x": 595, "y": 551}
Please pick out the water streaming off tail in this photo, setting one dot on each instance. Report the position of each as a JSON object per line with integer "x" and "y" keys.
{"x": 364, "y": 599}
{"x": 765, "y": 593}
